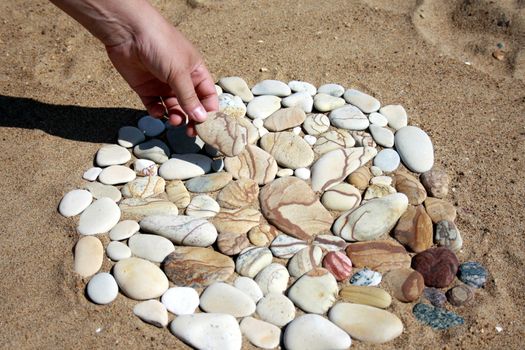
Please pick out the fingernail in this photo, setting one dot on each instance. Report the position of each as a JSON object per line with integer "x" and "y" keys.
{"x": 199, "y": 114}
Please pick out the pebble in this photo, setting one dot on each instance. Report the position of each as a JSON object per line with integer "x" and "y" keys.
{"x": 447, "y": 235}
{"x": 99, "y": 217}
{"x": 315, "y": 291}
{"x": 152, "y": 312}
{"x": 99, "y": 190}
{"x": 232, "y": 105}
{"x": 259, "y": 123}
{"x": 284, "y": 246}
{"x": 411, "y": 187}
{"x": 239, "y": 220}
{"x": 364, "y": 102}
{"x": 363, "y": 138}
{"x": 150, "y": 126}
{"x": 366, "y": 295}
{"x": 223, "y": 133}
{"x": 153, "y": 149}
{"x": 396, "y": 116}
{"x": 262, "y": 131}
{"x": 302, "y": 100}
{"x": 376, "y": 171}
{"x": 406, "y": 284}
{"x": 252, "y": 260}
{"x": 262, "y": 234}
{"x": 360, "y": 178}
{"x": 435, "y": 296}
{"x": 230, "y": 243}
{"x": 382, "y": 136}
{"x": 283, "y": 119}
{"x": 289, "y": 150}
{"x": 372, "y": 219}
{"x": 330, "y": 243}
{"x": 378, "y": 119}
{"x": 348, "y": 117}
{"x": 414, "y": 229}
{"x": 459, "y": 295}
{"x": 150, "y": 247}
{"x": 116, "y": 174}
{"x": 415, "y": 149}
{"x": 291, "y": 205}
{"x": 273, "y": 279}
{"x": 378, "y": 191}
{"x": 92, "y": 174}
{"x": 209, "y": 182}
{"x": 326, "y": 103}
{"x": 218, "y": 89}
{"x": 276, "y": 309}
{"x": 302, "y": 173}
{"x": 89, "y": 254}
{"x": 209, "y": 331}
{"x": 437, "y": 265}
{"x": 202, "y": 206}
{"x": 260, "y": 333}
{"x": 381, "y": 180}
{"x": 144, "y": 187}
{"x": 271, "y": 87}
{"x": 112, "y": 155}
{"x": 387, "y": 160}
{"x": 436, "y": 182}
{"x": 315, "y": 332}
{"x": 74, "y": 202}
{"x": 305, "y": 260}
{"x": 315, "y": 124}
{"x": 366, "y": 323}
{"x": 223, "y": 298}
{"x": 217, "y": 165}
{"x": 263, "y": 106}
{"x": 236, "y": 86}
{"x": 140, "y": 279}
{"x": 439, "y": 210}
{"x": 185, "y": 166}
{"x": 130, "y": 136}
{"x": 331, "y": 89}
{"x": 341, "y": 197}
{"x": 339, "y": 265}
{"x": 181, "y": 143}
{"x": 297, "y": 130}
{"x": 102, "y": 288}
{"x": 302, "y": 86}
{"x": 118, "y": 251}
{"x": 239, "y": 193}
{"x": 177, "y": 193}
{"x": 473, "y": 274}
{"x": 137, "y": 209}
{"x": 181, "y": 230}
{"x": 123, "y": 230}
{"x": 197, "y": 267}
{"x": 311, "y": 140}
{"x": 285, "y": 172}
{"x": 366, "y": 277}
{"x": 249, "y": 287}
{"x": 181, "y": 300}
{"x": 145, "y": 167}
{"x": 437, "y": 318}
{"x": 333, "y": 167}
{"x": 252, "y": 131}
{"x": 253, "y": 163}
{"x": 379, "y": 255}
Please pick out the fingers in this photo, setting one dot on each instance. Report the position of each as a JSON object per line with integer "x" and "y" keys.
{"x": 205, "y": 88}
{"x": 184, "y": 89}
{"x": 153, "y": 105}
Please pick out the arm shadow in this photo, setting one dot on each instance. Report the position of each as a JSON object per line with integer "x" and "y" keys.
{"x": 87, "y": 124}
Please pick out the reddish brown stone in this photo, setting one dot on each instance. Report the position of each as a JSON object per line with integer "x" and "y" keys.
{"x": 382, "y": 255}
{"x": 414, "y": 229}
{"x": 459, "y": 295}
{"x": 436, "y": 182}
{"x": 338, "y": 264}
{"x": 411, "y": 187}
{"x": 439, "y": 210}
{"x": 407, "y": 285}
{"x": 437, "y": 265}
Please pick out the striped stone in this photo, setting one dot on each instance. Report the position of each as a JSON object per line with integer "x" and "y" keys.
{"x": 253, "y": 163}
{"x": 382, "y": 255}
{"x": 224, "y": 133}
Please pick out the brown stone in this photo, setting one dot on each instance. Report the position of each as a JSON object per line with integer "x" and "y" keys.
{"x": 437, "y": 265}
{"x": 459, "y": 295}
{"x": 436, "y": 182}
{"x": 411, "y": 187}
{"x": 414, "y": 229}
{"x": 253, "y": 163}
{"x": 232, "y": 243}
{"x": 224, "y": 133}
{"x": 285, "y": 118}
{"x": 381, "y": 255}
{"x": 339, "y": 264}
{"x": 406, "y": 284}
{"x": 360, "y": 178}
{"x": 439, "y": 210}
{"x": 178, "y": 194}
{"x": 263, "y": 234}
{"x": 239, "y": 220}
{"x": 197, "y": 267}
{"x": 237, "y": 194}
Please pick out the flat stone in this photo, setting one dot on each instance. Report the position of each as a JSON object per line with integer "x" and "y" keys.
{"x": 253, "y": 163}
{"x": 181, "y": 143}
{"x": 414, "y": 229}
{"x": 459, "y": 295}
{"x": 144, "y": 187}
{"x": 262, "y": 234}
{"x": 185, "y": 166}
{"x": 92, "y": 174}
{"x": 273, "y": 279}
{"x": 364, "y": 102}
{"x": 236, "y": 86}
{"x": 202, "y": 206}
{"x": 437, "y": 318}
{"x": 112, "y": 155}
{"x": 285, "y": 118}
{"x": 326, "y": 103}
{"x": 290, "y": 205}
{"x": 366, "y": 323}
{"x": 448, "y": 235}
{"x": 276, "y": 309}
{"x": 239, "y": 220}
{"x": 372, "y": 219}
{"x": 315, "y": 332}
{"x": 366, "y": 277}
{"x": 288, "y": 149}
{"x": 249, "y": 287}
{"x": 301, "y": 100}
{"x": 74, "y": 202}
{"x": 411, "y": 187}
{"x": 387, "y": 160}
{"x": 333, "y": 167}
{"x": 406, "y": 284}
{"x": 302, "y": 86}
{"x": 130, "y": 136}
{"x": 239, "y": 193}
{"x": 366, "y": 295}
{"x": 331, "y": 89}
{"x": 153, "y": 149}
{"x": 360, "y": 178}
{"x": 315, "y": 291}
{"x": 380, "y": 255}
{"x": 284, "y": 246}
{"x": 435, "y": 296}
{"x": 137, "y": 209}
{"x": 378, "y": 191}
{"x": 330, "y": 243}
{"x": 208, "y": 331}
{"x": 123, "y": 230}
{"x": 260, "y": 333}
{"x": 117, "y": 251}
{"x": 145, "y": 167}
{"x": 177, "y": 193}
{"x": 415, "y": 149}
{"x": 341, "y": 197}
{"x": 223, "y": 298}
{"x": 362, "y": 138}
{"x": 252, "y": 260}
{"x": 99, "y": 217}
{"x": 396, "y": 116}
{"x": 349, "y": 117}
{"x": 223, "y": 133}
{"x": 333, "y": 140}
{"x": 99, "y": 190}
{"x": 271, "y": 87}
{"x": 197, "y": 267}
{"x": 377, "y": 119}
{"x": 140, "y": 279}
{"x": 150, "y": 126}
{"x": 180, "y": 229}
{"x": 209, "y": 182}
{"x": 436, "y": 182}
{"x": 440, "y": 210}
{"x": 339, "y": 265}
{"x": 116, "y": 174}
{"x": 181, "y": 300}
{"x": 102, "y": 288}
{"x": 473, "y": 274}
{"x": 315, "y": 124}
{"x": 89, "y": 254}
{"x": 230, "y": 243}
{"x": 382, "y": 136}
{"x": 232, "y": 105}
{"x": 437, "y": 265}
{"x": 152, "y": 312}
{"x": 305, "y": 260}
{"x": 150, "y": 247}
{"x": 263, "y": 106}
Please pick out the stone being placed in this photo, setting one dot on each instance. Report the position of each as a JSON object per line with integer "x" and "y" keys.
{"x": 271, "y": 87}
{"x": 273, "y": 279}
{"x": 100, "y": 217}
{"x": 315, "y": 332}
{"x": 140, "y": 279}
{"x": 326, "y": 103}
{"x": 180, "y": 229}
{"x": 396, "y": 116}
{"x": 415, "y": 149}
{"x": 387, "y": 160}
{"x": 348, "y": 117}
{"x": 315, "y": 291}
{"x": 253, "y": 163}
{"x": 150, "y": 247}
{"x": 185, "y": 166}
{"x": 285, "y": 118}
{"x": 316, "y": 124}
{"x": 150, "y": 126}
{"x": 289, "y": 150}
{"x": 89, "y": 254}
{"x": 112, "y": 155}
{"x": 152, "y": 312}
{"x": 236, "y": 86}
{"x": 331, "y": 89}
{"x": 276, "y": 309}
{"x": 263, "y": 106}
{"x": 130, "y": 136}
{"x": 74, "y": 202}
{"x": 153, "y": 149}
{"x": 364, "y": 102}
{"x": 220, "y": 297}
{"x": 232, "y": 105}
{"x": 224, "y": 133}
{"x": 260, "y": 333}
{"x": 102, "y": 288}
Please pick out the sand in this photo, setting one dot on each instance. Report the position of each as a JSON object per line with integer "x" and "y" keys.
{"x": 60, "y": 99}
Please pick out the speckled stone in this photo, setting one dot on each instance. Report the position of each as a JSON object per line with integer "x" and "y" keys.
{"x": 436, "y": 318}
{"x": 435, "y": 296}
{"x": 473, "y": 274}
{"x": 366, "y": 277}
{"x": 437, "y": 265}
{"x": 448, "y": 235}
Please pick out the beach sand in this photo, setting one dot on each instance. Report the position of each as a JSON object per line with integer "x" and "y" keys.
{"x": 60, "y": 99}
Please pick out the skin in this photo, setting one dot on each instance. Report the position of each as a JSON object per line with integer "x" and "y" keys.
{"x": 154, "y": 58}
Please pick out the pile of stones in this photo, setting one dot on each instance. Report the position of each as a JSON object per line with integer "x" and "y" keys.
{"x": 299, "y": 203}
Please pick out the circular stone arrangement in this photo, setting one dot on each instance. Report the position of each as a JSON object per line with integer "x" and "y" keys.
{"x": 284, "y": 201}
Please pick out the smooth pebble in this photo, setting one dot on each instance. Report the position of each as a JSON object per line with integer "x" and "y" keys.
{"x": 102, "y": 288}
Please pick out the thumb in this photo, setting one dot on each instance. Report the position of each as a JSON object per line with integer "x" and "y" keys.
{"x": 183, "y": 87}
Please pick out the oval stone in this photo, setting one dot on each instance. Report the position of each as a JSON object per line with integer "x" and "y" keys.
{"x": 332, "y": 140}
{"x": 440, "y": 210}
{"x": 339, "y": 264}
{"x": 99, "y": 217}
{"x": 284, "y": 246}
{"x": 366, "y": 295}
{"x": 396, "y": 116}
{"x": 260, "y": 333}
{"x": 348, "y": 117}
{"x": 89, "y": 254}
{"x": 223, "y": 298}
{"x": 181, "y": 300}
{"x": 129, "y": 136}
{"x": 74, "y": 202}
{"x": 209, "y": 182}
{"x": 151, "y": 126}
{"x": 406, "y": 284}
{"x": 252, "y": 260}
{"x": 236, "y": 86}
{"x": 239, "y": 193}
{"x": 137, "y": 209}
{"x": 112, "y": 155}
{"x": 262, "y": 107}
{"x": 380, "y": 255}
{"x": 305, "y": 260}
{"x": 140, "y": 279}
{"x": 184, "y": 230}
{"x": 116, "y": 174}
{"x": 411, "y": 187}
{"x": 271, "y": 87}
{"x": 414, "y": 229}
{"x": 118, "y": 251}
{"x": 273, "y": 279}
{"x": 102, "y": 288}
{"x": 185, "y": 166}
{"x": 341, "y": 197}
{"x": 150, "y": 247}
{"x": 364, "y": 102}
{"x": 331, "y": 89}
{"x": 202, "y": 206}
{"x": 124, "y": 230}
{"x": 436, "y": 182}
{"x": 415, "y": 149}
{"x": 301, "y": 100}
{"x": 315, "y": 332}
{"x": 239, "y": 220}
{"x": 276, "y": 308}
{"x": 152, "y": 312}
{"x": 230, "y": 243}
{"x": 285, "y": 118}
{"x": 144, "y": 187}
{"x": 447, "y": 235}
{"x": 99, "y": 190}
{"x": 289, "y": 150}
{"x": 326, "y": 103}
{"x": 314, "y": 292}
{"x": 249, "y": 287}
{"x": 315, "y": 124}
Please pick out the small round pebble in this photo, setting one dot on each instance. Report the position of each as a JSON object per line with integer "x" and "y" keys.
{"x": 387, "y": 160}
{"x": 276, "y": 308}
{"x": 296, "y": 130}
{"x": 181, "y": 300}
{"x": 459, "y": 295}
{"x": 473, "y": 274}
{"x": 311, "y": 140}
{"x": 435, "y": 296}
{"x": 302, "y": 173}
{"x": 366, "y": 277}
{"x": 102, "y": 288}
{"x": 151, "y": 126}
{"x": 117, "y": 251}
{"x": 378, "y": 119}
{"x": 92, "y": 173}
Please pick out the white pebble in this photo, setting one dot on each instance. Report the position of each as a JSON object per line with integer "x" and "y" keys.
{"x": 92, "y": 173}
{"x": 258, "y": 123}
{"x": 102, "y": 288}
{"x": 302, "y": 173}
{"x": 74, "y": 202}
{"x": 181, "y": 300}
{"x": 296, "y": 130}
{"x": 249, "y": 287}
{"x": 302, "y": 86}
{"x": 124, "y": 230}
{"x": 376, "y": 171}
{"x": 387, "y": 160}
{"x": 152, "y": 312}
{"x": 117, "y": 251}
{"x": 284, "y": 172}
{"x": 378, "y": 119}
{"x": 311, "y": 140}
